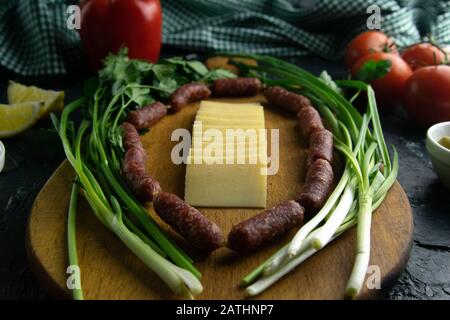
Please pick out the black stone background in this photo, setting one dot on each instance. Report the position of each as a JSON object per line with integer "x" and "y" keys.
{"x": 34, "y": 155}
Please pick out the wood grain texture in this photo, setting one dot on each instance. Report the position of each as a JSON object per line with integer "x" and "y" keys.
{"x": 110, "y": 271}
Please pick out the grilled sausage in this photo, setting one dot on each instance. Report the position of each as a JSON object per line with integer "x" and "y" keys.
{"x": 130, "y": 136}
{"x": 261, "y": 229}
{"x": 136, "y": 155}
{"x": 143, "y": 186}
{"x": 309, "y": 120}
{"x": 201, "y": 233}
{"x": 147, "y": 116}
{"x": 318, "y": 183}
{"x": 236, "y": 87}
{"x": 286, "y": 100}
{"x": 320, "y": 146}
{"x": 188, "y": 93}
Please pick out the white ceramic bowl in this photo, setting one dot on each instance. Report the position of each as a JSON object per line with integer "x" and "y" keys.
{"x": 2, "y": 156}
{"x": 440, "y": 156}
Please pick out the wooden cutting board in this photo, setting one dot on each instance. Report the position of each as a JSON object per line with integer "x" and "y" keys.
{"x": 110, "y": 271}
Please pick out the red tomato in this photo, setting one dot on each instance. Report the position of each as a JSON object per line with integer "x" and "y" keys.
{"x": 422, "y": 55}
{"x": 427, "y": 95}
{"x": 366, "y": 43}
{"x": 108, "y": 25}
{"x": 389, "y": 88}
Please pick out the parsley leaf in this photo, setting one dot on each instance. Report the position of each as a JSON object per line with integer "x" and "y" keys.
{"x": 144, "y": 82}
{"x": 166, "y": 87}
{"x": 164, "y": 71}
{"x": 372, "y": 70}
{"x": 120, "y": 70}
{"x": 198, "y": 67}
{"x": 140, "y": 96}
{"x": 218, "y": 74}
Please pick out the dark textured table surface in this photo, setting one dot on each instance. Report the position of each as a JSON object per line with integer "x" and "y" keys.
{"x": 33, "y": 156}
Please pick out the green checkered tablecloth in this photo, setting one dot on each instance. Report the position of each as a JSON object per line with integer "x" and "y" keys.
{"x": 34, "y": 39}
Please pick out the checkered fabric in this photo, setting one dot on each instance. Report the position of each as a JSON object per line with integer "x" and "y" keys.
{"x": 34, "y": 39}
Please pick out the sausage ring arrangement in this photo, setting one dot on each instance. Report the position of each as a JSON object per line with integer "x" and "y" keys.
{"x": 259, "y": 230}
{"x": 109, "y": 161}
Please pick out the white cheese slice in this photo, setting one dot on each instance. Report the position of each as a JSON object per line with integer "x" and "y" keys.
{"x": 228, "y": 110}
{"x": 225, "y": 185}
{"x": 227, "y": 105}
{"x": 217, "y": 120}
{"x": 227, "y": 173}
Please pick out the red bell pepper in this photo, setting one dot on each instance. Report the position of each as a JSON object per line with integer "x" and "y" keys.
{"x": 108, "y": 25}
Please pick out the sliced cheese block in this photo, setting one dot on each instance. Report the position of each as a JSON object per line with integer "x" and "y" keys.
{"x": 231, "y": 110}
{"x": 217, "y": 184}
{"x": 255, "y": 125}
{"x": 223, "y": 172}
{"x": 227, "y": 155}
{"x": 228, "y": 138}
{"x": 227, "y": 110}
{"x": 224, "y": 185}
{"x": 233, "y": 116}
{"x": 240, "y": 155}
{"x": 217, "y": 120}
{"x": 227, "y": 105}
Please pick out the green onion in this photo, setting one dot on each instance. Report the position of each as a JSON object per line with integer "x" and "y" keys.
{"x": 94, "y": 150}
{"x": 109, "y": 212}
{"x": 72, "y": 238}
{"x": 308, "y": 227}
{"x": 339, "y": 213}
{"x": 367, "y": 177}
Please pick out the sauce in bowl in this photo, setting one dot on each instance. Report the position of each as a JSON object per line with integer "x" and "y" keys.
{"x": 445, "y": 142}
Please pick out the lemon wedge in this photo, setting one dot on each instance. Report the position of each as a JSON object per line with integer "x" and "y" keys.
{"x": 16, "y": 118}
{"x": 53, "y": 100}
{"x": 2, "y": 156}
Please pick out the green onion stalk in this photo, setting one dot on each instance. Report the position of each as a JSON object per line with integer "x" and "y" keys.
{"x": 367, "y": 177}
{"x": 77, "y": 292}
{"x": 94, "y": 150}
{"x": 110, "y": 212}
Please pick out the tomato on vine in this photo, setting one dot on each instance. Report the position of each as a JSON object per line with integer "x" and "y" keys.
{"x": 427, "y": 95}
{"x": 423, "y": 55}
{"x": 366, "y": 43}
{"x": 386, "y": 72}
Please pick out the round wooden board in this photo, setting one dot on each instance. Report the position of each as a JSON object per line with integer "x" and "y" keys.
{"x": 110, "y": 271}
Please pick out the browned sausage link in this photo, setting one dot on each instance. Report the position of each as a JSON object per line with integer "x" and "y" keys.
{"x": 261, "y": 229}
{"x": 236, "y": 87}
{"x": 188, "y": 93}
{"x": 130, "y": 136}
{"x": 284, "y": 99}
{"x": 309, "y": 120}
{"x": 147, "y": 116}
{"x": 201, "y": 233}
{"x": 318, "y": 183}
{"x": 143, "y": 186}
{"x": 135, "y": 154}
{"x": 320, "y": 146}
